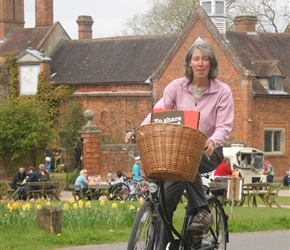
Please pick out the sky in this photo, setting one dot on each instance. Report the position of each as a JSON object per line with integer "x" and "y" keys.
{"x": 108, "y": 15}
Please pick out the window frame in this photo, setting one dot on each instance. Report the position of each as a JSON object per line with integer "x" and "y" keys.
{"x": 281, "y": 139}
{"x": 278, "y": 82}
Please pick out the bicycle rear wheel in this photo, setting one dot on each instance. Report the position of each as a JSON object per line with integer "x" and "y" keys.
{"x": 142, "y": 235}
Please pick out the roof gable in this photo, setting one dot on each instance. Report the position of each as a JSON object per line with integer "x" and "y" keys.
{"x": 32, "y": 56}
{"x": 263, "y": 54}
{"x": 268, "y": 68}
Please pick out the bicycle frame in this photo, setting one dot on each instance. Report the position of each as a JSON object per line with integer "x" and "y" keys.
{"x": 184, "y": 240}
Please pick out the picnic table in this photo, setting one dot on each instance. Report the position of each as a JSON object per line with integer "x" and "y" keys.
{"x": 47, "y": 190}
{"x": 265, "y": 190}
{"x": 95, "y": 191}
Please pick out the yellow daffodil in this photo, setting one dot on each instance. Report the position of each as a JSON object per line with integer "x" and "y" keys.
{"x": 81, "y": 203}
{"x": 65, "y": 207}
{"x": 88, "y": 204}
{"x": 38, "y": 206}
{"x": 141, "y": 200}
{"x": 102, "y": 203}
{"x": 114, "y": 205}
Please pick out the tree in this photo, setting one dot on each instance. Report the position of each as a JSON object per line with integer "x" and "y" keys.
{"x": 164, "y": 17}
{"x": 70, "y": 122}
{"x": 171, "y": 16}
{"x": 25, "y": 131}
{"x": 272, "y": 17}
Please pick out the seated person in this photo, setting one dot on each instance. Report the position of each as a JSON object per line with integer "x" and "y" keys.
{"x": 32, "y": 177}
{"x": 82, "y": 180}
{"x": 223, "y": 171}
{"x": 110, "y": 178}
{"x": 287, "y": 179}
{"x": 120, "y": 176}
{"x": 18, "y": 178}
{"x": 43, "y": 174}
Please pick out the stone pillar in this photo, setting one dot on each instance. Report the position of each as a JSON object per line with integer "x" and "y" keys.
{"x": 91, "y": 148}
{"x": 50, "y": 219}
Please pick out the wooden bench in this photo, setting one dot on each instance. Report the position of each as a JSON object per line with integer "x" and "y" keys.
{"x": 52, "y": 189}
{"x": 78, "y": 193}
{"x": 37, "y": 192}
{"x": 270, "y": 196}
{"x": 10, "y": 192}
{"x": 254, "y": 190}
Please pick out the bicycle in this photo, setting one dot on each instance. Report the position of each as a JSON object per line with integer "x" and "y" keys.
{"x": 144, "y": 227}
{"x": 140, "y": 189}
{"x": 129, "y": 190}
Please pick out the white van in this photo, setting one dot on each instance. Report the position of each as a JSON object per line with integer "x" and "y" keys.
{"x": 248, "y": 159}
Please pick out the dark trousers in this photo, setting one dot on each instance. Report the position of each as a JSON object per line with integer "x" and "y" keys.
{"x": 270, "y": 178}
{"x": 194, "y": 190}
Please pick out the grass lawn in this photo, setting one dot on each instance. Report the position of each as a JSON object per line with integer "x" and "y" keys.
{"x": 98, "y": 224}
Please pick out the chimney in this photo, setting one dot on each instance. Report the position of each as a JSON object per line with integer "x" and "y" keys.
{"x": 43, "y": 13}
{"x": 85, "y": 24}
{"x": 11, "y": 16}
{"x": 245, "y": 23}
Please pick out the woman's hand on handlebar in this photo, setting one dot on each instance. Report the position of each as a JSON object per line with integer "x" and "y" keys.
{"x": 130, "y": 137}
{"x": 209, "y": 148}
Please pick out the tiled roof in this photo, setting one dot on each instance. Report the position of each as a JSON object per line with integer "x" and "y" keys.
{"x": 253, "y": 48}
{"x": 18, "y": 39}
{"x": 110, "y": 60}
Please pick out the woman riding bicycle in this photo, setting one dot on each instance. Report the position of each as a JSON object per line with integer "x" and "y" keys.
{"x": 200, "y": 91}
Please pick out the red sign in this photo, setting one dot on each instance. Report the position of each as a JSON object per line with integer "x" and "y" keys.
{"x": 188, "y": 118}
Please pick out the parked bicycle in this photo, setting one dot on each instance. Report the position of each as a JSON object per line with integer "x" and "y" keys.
{"x": 144, "y": 232}
{"x": 130, "y": 190}
{"x": 140, "y": 189}
{"x": 121, "y": 190}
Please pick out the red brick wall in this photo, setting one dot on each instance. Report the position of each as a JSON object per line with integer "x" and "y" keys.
{"x": 117, "y": 112}
{"x": 11, "y": 16}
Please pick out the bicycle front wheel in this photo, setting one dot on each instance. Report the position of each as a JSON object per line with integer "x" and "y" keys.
{"x": 217, "y": 235}
{"x": 142, "y": 235}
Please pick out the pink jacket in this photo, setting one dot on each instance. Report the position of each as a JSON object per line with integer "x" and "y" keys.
{"x": 215, "y": 106}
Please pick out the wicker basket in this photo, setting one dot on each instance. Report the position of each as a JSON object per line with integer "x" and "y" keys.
{"x": 169, "y": 151}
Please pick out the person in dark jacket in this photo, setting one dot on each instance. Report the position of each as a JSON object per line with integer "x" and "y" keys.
{"x": 43, "y": 173}
{"x": 32, "y": 177}
{"x": 18, "y": 178}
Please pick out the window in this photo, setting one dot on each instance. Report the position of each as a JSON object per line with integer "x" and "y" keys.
{"x": 207, "y": 7}
{"x": 219, "y": 8}
{"x": 29, "y": 79}
{"x": 276, "y": 84}
{"x": 274, "y": 141}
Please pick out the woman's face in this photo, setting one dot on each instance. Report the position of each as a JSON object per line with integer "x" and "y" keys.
{"x": 200, "y": 64}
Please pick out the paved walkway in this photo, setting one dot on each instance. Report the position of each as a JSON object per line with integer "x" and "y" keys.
{"x": 66, "y": 195}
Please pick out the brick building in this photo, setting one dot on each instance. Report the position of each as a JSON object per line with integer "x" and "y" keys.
{"x": 120, "y": 78}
